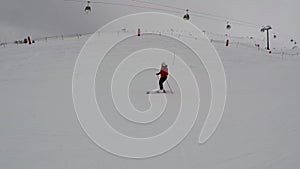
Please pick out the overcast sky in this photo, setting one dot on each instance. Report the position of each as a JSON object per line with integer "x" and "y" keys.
{"x": 38, "y": 18}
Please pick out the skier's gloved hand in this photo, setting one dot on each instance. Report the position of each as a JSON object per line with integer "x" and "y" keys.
{"x": 157, "y": 74}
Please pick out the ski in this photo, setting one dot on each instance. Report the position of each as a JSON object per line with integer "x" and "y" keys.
{"x": 157, "y": 92}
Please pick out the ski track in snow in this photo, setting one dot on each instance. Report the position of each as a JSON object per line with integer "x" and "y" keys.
{"x": 39, "y": 129}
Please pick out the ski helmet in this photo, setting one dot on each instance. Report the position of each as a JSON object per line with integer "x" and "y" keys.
{"x": 163, "y": 64}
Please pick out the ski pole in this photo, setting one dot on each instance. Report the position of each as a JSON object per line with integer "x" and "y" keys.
{"x": 169, "y": 86}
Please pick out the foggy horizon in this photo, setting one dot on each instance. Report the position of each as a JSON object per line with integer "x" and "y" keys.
{"x": 41, "y": 18}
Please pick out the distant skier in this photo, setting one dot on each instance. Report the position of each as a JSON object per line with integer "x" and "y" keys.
{"x": 163, "y": 76}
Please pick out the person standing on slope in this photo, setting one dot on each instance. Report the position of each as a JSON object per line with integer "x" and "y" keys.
{"x": 163, "y": 76}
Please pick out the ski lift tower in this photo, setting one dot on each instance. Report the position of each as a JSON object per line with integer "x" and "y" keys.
{"x": 267, "y": 28}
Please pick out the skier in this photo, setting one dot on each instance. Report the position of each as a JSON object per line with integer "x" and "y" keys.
{"x": 163, "y": 76}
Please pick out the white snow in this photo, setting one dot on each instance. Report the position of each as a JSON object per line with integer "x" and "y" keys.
{"x": 39, "y": 128}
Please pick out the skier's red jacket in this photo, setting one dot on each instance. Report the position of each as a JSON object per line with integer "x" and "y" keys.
{"x": 163, "y": 72}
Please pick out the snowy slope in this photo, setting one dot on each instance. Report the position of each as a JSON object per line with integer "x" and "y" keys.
{"x": 39, "y": 129}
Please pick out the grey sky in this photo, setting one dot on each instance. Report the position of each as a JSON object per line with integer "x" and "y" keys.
{"x": 38, "y": 18}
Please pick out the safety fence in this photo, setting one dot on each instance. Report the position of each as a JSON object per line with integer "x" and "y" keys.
{"x": 279, "y": 53}
{"x": 248, "y": 42}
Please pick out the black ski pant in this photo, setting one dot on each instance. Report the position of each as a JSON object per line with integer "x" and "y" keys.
{"x": 161, "y": 81}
